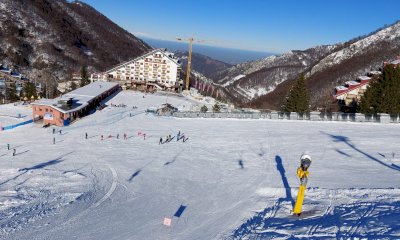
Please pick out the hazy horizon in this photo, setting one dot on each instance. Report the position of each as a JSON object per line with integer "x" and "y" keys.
{"x": 228, "y": 55}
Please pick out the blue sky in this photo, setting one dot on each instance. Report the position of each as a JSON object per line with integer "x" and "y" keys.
{"x": 261, "y": 25}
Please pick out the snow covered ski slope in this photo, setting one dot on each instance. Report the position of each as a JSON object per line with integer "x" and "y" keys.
{"x": 232, "y": 179}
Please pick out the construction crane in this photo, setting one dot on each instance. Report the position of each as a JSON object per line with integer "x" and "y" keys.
{"x": 190, "y": 40}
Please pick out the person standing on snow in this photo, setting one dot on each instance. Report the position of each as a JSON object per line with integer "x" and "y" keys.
{"x": 160, "y": 142}
{"x": 86, "y": 135}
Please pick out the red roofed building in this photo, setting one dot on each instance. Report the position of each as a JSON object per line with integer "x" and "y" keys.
{"x": 352, "y": 90}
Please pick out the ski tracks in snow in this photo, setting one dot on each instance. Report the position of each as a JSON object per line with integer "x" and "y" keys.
{"x": 314, "y": 228}
{"x": 110, "y": 191}
{"x": 354, "y": 228}
{"x": 94, "y": 205}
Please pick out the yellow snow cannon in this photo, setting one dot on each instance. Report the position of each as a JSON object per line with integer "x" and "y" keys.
{"x": 302, "y": 173}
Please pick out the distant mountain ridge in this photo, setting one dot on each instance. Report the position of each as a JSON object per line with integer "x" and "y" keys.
{"x": 50, "y": 39}
{"x": 324, "y": 66}
{"x": 205, "y": 65}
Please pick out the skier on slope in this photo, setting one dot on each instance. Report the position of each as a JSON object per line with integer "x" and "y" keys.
{"x": 86, "y": 135}
{"x": 160, "y": 142}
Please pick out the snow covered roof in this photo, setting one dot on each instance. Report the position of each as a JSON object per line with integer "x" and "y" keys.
{"x": 352, "y": 83}
{"x": 375, "y": 72}
{"x": 161, "y": 50}
{"x": 7, "y": 70}
{"x": 80, "y": 97}
{"x": 364, "y": 78}
{"x": 341, "y": 88}
{"x": 395, "y": 61}
{"x": 16, "y": 75}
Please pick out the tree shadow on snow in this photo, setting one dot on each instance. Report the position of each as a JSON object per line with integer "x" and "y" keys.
{"x": 42, "y": 165}
{"x": 346, "y": 140}
{"x": 46, "y": 164}
{"x": 343, "y": 153}
{"x": 38, "y": 166}
{"x": 172, "y": 161}
{"x": 135, "y": 174}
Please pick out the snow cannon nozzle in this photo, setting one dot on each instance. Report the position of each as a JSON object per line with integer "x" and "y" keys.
{"x": 305, "y": 161}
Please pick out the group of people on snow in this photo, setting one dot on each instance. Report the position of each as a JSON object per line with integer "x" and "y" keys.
{"x": 169, "y": 138}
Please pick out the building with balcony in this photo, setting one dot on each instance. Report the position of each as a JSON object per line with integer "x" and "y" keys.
{"x": 157, "y": 69}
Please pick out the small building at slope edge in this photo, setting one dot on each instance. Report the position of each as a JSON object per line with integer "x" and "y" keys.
{"x": 63, "y": 110}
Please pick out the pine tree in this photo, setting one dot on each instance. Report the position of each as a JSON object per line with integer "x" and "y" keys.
{"x": 44, "y": 91}
{"x": 298, "y": 99}
{"x": 216, "y": 108}
{"x": 74, "y": 86}
{"x": 383, "y": 94}
{"x": 204, "y": 109}
{"x": 29, "y": 90}
{"x": 54, "y": 91}
{"x": 84, "y": 77}
{"x": 12, "y": 92}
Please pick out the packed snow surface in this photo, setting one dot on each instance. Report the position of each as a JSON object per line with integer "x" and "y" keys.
{"x": 11, "y": 114}
{"x": 231, "y": 179}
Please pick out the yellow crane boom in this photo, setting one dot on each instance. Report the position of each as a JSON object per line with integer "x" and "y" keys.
{"x": 190, "y": 40}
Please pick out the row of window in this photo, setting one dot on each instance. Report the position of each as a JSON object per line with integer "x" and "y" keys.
{"x": 155, "y": 60}
{"x": 155, "y": 66}
{"x": 40, "y": 109}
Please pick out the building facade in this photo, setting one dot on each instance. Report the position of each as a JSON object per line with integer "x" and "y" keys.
{"x": 352, "y": 91}
{"x": 63, "y": 110}
{"x": 157, "y": 69}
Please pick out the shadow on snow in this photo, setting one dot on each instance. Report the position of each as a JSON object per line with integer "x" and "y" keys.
{"x": 346, "y": 140}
